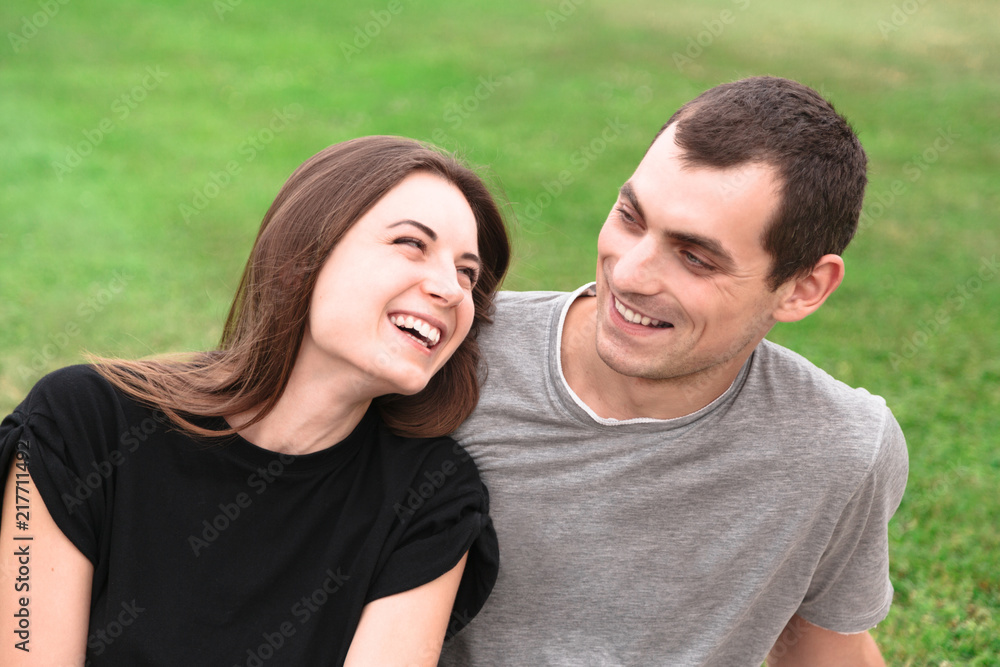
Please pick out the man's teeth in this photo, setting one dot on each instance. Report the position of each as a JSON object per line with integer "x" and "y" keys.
{"x": 637, "y": 318}
{"x": 431, "y": 334}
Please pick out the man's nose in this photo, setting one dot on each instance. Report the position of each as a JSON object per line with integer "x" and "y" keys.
{"x": 641, "y": 268}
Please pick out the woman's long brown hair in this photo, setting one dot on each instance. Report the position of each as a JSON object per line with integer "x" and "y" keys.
{"x": 321, "y": 200}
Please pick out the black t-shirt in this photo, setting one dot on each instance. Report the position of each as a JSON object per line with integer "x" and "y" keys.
{"x": 217, "y": 552}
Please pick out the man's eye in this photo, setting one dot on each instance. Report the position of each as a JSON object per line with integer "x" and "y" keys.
{"x": 696, "y": 261}
{"x": 625, "y": 215}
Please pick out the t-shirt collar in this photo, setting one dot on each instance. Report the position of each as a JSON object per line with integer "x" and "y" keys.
{"x": 585, "y": 412}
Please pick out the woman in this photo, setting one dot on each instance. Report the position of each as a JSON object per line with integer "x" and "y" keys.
{"x": 278, "y": 501}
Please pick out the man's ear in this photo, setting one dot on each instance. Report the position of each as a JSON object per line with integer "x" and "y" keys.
{"x": 803, "y": 295}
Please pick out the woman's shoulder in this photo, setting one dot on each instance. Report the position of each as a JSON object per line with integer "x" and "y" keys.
{"x": 440, "y": 511}
{"x": 434, "y": 453}
{"x": 75, "y": 403}
{"x": 70, "y": 389}
{"x": 77, "y": 375}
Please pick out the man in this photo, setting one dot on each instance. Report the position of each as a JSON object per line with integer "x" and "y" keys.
{"x": 668, "y": 487}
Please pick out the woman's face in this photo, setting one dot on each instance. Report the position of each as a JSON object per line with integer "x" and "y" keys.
{"x": 394, "y": 299}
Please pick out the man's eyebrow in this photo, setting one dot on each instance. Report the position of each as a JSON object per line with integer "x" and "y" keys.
{"x": 628, "y": 192}
{"x": 707, "y": 244}
{"x": 472, "y": 257}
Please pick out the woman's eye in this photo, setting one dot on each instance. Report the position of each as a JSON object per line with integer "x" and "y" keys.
{"x": 410, "y": 241}
{"x": 471, "y": 274}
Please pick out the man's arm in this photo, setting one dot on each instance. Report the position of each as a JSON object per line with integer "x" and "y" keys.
{"x": 802, "y": 644}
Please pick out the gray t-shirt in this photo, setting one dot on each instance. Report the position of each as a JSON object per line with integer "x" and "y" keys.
{"x": 688, "y": 541}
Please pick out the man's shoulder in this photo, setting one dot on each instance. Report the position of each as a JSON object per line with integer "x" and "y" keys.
{"x": 781, "y": 372}
{"x": 831, "y": 430}
{"x": 522, "y": 314}
{"x": 509, "y": 301}
{"x": 519, "y": 350}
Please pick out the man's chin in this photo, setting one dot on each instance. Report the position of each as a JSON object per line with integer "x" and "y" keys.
{"x": 624, "y": 363}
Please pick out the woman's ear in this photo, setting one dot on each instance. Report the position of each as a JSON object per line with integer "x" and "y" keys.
{"x": 803, "y": 295}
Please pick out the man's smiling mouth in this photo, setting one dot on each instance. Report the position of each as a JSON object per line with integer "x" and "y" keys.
{"x": 638, "y": 318}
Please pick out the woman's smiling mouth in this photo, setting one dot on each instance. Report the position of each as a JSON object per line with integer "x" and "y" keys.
{"x": 424, "y": 333}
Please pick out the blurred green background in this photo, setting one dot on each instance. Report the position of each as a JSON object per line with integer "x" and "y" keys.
{"x": 143, "y": 141}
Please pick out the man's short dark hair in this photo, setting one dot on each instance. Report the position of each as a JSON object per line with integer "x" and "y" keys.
{"x": 818, "y": 157}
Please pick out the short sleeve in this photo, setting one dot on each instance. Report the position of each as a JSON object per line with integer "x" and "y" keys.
{"x": 850, "y": 591}
{"x": 11, "y": 442}
{"x": 60, "y": 427}
{"x": 442, "y": 513}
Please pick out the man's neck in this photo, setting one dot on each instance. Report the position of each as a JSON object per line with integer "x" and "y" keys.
{"x": 612, "y": 395}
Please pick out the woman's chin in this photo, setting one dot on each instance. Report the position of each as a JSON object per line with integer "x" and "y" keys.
{"x": 409, "y": 388}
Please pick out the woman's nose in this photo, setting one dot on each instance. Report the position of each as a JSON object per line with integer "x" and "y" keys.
{"x": 443, "y": 285}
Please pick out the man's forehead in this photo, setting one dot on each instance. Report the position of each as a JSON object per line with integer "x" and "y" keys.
{"x": 663, "y": 147}
{"x": 665, "y": 161}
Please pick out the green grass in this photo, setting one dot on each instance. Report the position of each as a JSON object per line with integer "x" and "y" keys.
{"x": 103, "y": 259}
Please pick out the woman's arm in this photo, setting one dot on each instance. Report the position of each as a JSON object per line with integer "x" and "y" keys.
{"x": 44, "y": 582}
{"x": 407, "y": 628}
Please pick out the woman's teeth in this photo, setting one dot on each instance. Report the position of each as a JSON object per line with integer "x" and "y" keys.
{"x": 428, "y": 335}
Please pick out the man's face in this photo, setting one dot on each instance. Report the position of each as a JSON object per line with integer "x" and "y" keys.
{"x": 681, "y": 272}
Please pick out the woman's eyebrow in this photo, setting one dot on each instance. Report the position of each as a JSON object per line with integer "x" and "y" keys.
{"x": 434, "y": 237}
{"x": 419, "y": 225}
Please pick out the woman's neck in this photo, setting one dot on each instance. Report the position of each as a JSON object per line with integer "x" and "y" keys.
{"x": 317, "y": 409}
